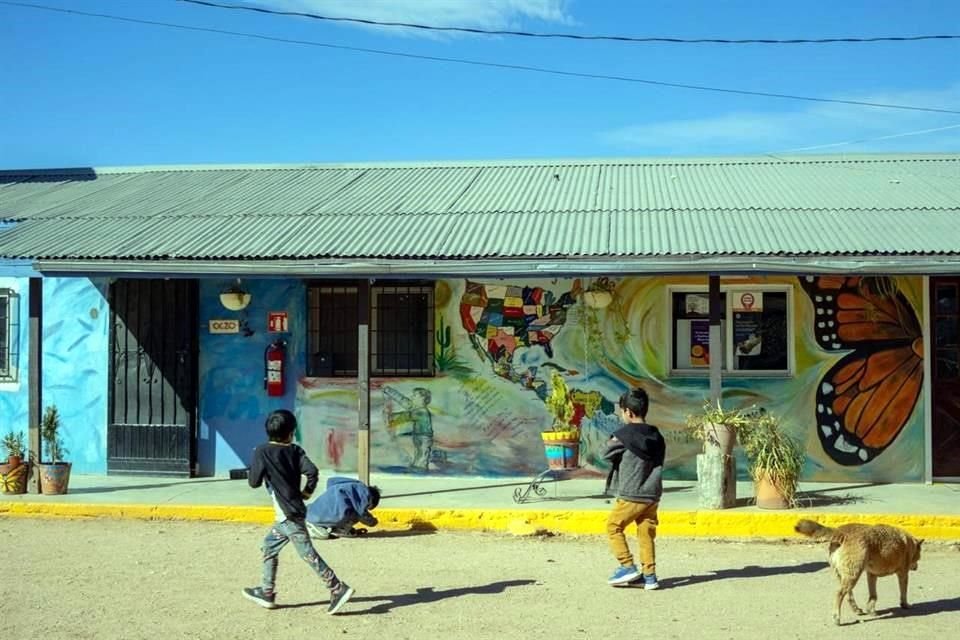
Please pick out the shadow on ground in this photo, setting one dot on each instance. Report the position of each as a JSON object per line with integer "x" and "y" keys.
{"x": 751, "y": 571}
{"x": 423, "y": 595}
{"x": 134, "y": 487}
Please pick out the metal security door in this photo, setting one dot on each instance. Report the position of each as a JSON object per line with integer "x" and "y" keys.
{"x": 945, "y": 320}
{"x": 153, "y": 396}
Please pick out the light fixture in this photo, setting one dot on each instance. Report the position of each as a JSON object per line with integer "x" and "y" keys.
{"x": 234, "y": 297}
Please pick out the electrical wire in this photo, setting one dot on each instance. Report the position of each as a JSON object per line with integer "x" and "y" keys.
{"x": 493, "y": 65}
{"x": 569, "y": 36}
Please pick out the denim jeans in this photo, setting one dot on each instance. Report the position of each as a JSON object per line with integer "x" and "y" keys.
{"x": 292, "y": 531}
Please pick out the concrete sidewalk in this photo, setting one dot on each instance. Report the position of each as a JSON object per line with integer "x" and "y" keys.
{"x": 569, "y": 506}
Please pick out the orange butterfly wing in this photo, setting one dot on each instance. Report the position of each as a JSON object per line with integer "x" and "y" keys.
{"x": 865, "y": 399}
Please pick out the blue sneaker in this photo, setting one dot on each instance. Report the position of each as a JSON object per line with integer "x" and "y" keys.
{"x": 623, "y": 575}
{"x": 261, "y": 597}
{"x": 650, "y": 582}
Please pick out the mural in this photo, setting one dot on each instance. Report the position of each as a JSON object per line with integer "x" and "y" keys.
{"x": 853, "y": 400}
{"x": 75, "y": 346}
{"x": 854, "y": 397}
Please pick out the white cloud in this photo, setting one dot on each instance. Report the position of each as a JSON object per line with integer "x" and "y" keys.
{"x": 819, "y": 124}
{"x": 484, "y": 14}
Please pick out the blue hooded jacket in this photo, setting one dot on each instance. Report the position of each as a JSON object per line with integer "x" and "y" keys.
{"x": 344, "y": 499}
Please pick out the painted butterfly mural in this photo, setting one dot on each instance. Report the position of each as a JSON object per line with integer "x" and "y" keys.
{"x": 868, "y": 396}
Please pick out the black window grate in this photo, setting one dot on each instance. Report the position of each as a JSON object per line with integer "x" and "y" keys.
{"x": 9, "y": 335}
{"x": 333, "y": 315}
{"x": 401, "y": 329}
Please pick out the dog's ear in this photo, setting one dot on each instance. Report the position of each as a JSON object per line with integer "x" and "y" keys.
{"x": 919, "y": 542}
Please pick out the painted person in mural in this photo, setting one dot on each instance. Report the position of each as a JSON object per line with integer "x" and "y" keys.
{"x": 636, "y": 452}
{"x": 279, "y": 465}
{"x": 420, "y": 419}
{"x": 345, "y": 503}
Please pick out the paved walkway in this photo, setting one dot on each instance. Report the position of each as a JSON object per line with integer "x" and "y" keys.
{"x": 568, "y": 506}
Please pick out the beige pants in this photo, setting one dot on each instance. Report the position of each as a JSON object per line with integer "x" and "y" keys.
{"x": 645, "y": 515}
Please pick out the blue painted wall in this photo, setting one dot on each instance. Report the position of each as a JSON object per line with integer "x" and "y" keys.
{"x": 75, "y": 366}
{"x": 233, "y": 402}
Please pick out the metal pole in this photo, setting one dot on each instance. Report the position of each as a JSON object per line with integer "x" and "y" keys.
{"x": 363, "y": 378}
{"x": 716, "y": 339}
{"x": 35, "y": 380}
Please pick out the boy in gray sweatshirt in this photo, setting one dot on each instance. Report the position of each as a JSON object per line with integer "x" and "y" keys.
{"x": 636, "y": 452}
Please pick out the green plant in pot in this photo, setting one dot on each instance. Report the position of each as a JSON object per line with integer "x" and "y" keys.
{"x": 55, "y": 474}
{"x": 717, "y": 429}
{"x": 13, "y": 473}
{"x": 562, "y": 440}
{"x": 776, "y": 460}
{"x": 601, "y": 296}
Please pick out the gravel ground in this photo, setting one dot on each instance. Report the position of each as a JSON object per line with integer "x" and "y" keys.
{"x": 132, "y": 579}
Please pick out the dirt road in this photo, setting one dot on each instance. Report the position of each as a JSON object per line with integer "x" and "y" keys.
{"x": 130, "y": 579}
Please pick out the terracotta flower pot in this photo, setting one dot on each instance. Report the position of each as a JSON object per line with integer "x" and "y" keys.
{"x": 562, "y": 449}
{"x": 54, "y": 478}
{"x": 767, "y": 494}
{"x": 13, "y": 475}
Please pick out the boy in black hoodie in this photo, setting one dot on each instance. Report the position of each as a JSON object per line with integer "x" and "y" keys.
{"x": 636, "y": 452}
{"x": 279, "y": 464}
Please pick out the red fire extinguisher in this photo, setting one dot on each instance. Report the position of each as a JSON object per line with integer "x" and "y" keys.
{"x": 273, "y": 358}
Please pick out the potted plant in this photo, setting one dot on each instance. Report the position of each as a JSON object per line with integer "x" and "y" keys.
{"x": 599, "y": 295}
{"x": 13, "y": 474}
{"x": 776, "y": 460}
{"x": 562, "y": 441}
{"x": 717, "y": 429}
{"x": 55, "y": 474}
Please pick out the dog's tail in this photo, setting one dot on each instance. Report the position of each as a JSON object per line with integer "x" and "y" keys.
{"x": 813, "y": 529}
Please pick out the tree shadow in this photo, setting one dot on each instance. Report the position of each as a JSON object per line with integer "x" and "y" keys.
{"x": 816, "y": 499}
{"x": 751, "y": 571}
{"x": 423, "y": 595}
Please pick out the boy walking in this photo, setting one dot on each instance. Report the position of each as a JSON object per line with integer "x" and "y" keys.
{"x": 279, "y": 464}
{"x": 636, "y": 452}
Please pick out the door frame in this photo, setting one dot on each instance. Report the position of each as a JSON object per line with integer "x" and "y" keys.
{"x": 929, "y": 353}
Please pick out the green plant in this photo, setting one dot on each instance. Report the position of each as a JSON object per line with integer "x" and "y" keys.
{"x": 14, "y": 444}
{"x": 703, "y": 426}
{"x": 50, "y": 433}
{"x": 773, "y": 453}
{"x": 560, "y": 404}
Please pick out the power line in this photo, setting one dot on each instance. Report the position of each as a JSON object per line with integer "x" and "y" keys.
{"x": 569, "y": 36}
{"x": 864, "y": 140}
{"x": 494, "y": 65}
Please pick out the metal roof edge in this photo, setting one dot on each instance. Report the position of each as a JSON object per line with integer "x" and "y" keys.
{"x": 546, "y": 267}
{"x": 480, "y": 163}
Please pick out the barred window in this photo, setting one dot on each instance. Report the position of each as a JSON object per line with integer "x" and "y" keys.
{"x": 401, "y": 329}
{"x": 9, "y": 334}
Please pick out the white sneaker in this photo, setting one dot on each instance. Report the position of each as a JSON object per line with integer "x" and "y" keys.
{"x": 320, "y": 533}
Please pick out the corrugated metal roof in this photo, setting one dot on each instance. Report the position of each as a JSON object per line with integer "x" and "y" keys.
{"x": 825, "y": 205}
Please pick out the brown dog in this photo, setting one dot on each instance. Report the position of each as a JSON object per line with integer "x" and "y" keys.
{"x": 880, "y": 550}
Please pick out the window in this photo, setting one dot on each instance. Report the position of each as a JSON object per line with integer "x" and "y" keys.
{"x": 401, "y": 329}
{"x": 755, "y": 330}
{"x": 9, "y": 335}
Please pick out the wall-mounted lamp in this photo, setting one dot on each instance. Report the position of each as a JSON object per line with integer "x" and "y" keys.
{"x": 234, "y": 297}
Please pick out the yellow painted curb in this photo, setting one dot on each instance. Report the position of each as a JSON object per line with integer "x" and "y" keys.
{"x": 698, "y": 524}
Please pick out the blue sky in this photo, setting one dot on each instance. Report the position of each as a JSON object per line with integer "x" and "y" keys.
{"x": 81, "y": 91}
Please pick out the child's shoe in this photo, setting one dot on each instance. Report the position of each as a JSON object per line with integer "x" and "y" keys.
{"x": 623, "y": 575}
{"x": 317, "y": 532}
{"x": 261, "y": 597}
{"x": 339, "y": 596}
{"x": 650, "y": 582}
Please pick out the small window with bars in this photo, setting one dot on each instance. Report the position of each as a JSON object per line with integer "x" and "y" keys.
{"x": 9, "y": 335}
{"x": 401, "y": 329}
